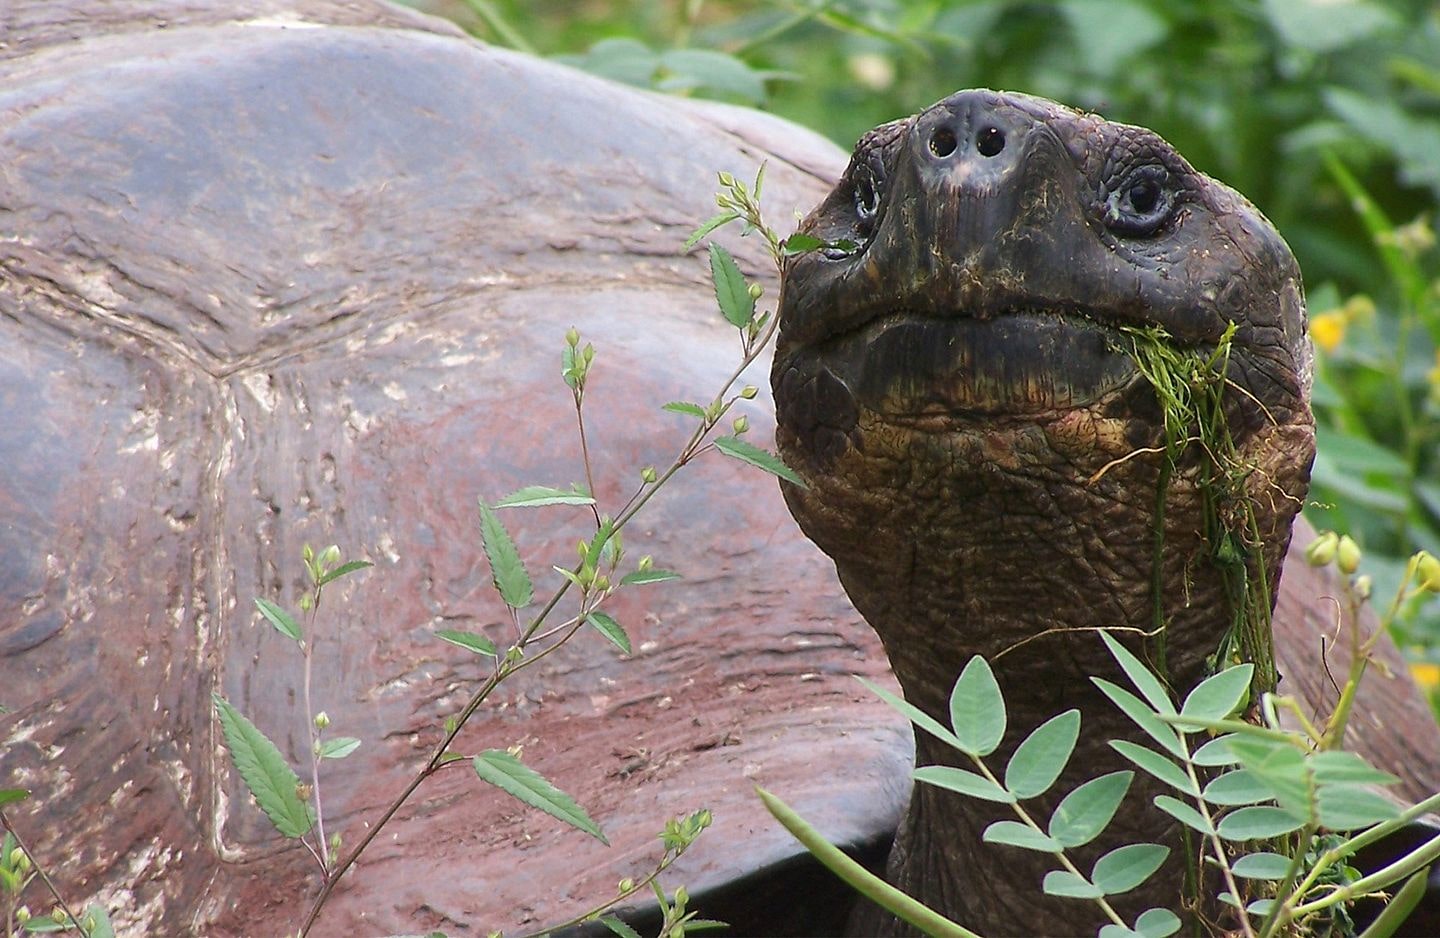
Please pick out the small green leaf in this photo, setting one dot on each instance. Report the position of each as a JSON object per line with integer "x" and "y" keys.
{"x": 1219, "y": 695}
{"x": 1140, "y": 675}
{"x": 966, "y": 783}
{"x": 279, "y": 618}
{"x": 653, "y": 575}
{"x": 1066, "y": 883}
{"x": 732, "y": 293}
{"x": 1348, "y": 807}
{"x": 1260, "y": 907}
{"x": 914, "y": 714}
{"x": 609, "y": 628}
{"x": 339, "y": 747}
{"x": 1124, "y": 868}
{"x": 1142, "y": 716}
{"x": 1258, "y": 823}
{"x": 1183, "y": 813}
{"x": 468, "y": 641}
{"x": 506, "y": 568}
{"x": 1340, "y": 766}
{"x": 715, "y": 221}
{"x": 345, "y": 569}
{"x": 1087, "y": 810}
{"x": 1237, "y": 788}
{"x": 1157, "y": 923}
{"x": 1215, "y": 752}
{"x": 1157, "y": 765}
{"x": 12, "y": 795}
{"x": 1271, "y": 866}
{"x": 1281, "y": 767}
{"x": 799, "y": 243}
{"x": 510, "y": 775}
{"x": 685, "y": 407}
{"x": 977, "y": 710}
{"x": 1016, "y": 834}
{"x": 97, "y": 922}
{"x": 1039, "y": 760}
{"x": 618, "y": 927}
{"x": 755, "y": 456}
{"x": 264, "y": 772}
{"x": 536, "y": 496}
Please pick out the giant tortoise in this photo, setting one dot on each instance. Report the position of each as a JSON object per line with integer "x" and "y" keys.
{"x": 276, "y": 272}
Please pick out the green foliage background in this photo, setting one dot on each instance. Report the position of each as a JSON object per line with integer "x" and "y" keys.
{"x": 1278, "y": 98}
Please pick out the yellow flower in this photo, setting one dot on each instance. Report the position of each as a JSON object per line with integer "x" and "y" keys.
{"x": 1427, "y": 675}
{"x": 1328, "y": 329}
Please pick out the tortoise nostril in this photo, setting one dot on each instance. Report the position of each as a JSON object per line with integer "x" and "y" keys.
{"x": 991, "y": 141}
{"x": 942, "y": 142}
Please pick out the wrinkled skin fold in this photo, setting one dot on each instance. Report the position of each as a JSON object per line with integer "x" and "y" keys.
{"x": 952, "y": 383}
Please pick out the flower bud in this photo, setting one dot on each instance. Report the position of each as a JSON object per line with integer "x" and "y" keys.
{"x": 645, "y": 563}
{"x": 572, "y": 337}
{"x": 726, "y": 179}
{"x": 58, "y": 916}
{"x": 648, "y": 476}
{"x": 322, "y": 720}
{"x": 602, "y": 582}
{"x": 1347, "y": 554}
{"x": 755, "y": 291}
{"x": 627, "y": 884}
{"x": 741, "y": 424}
{"x": 749, "y": 391}
{"x": 1429, "y": 569}
{"x": 330, "y": 556}
{"x": 22, "y": 914}
{"x": 1322, "y": 550}
{"x": 1364, "y": 586}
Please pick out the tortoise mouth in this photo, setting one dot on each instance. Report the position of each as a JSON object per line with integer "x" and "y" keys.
{"x": 926, "y": 370}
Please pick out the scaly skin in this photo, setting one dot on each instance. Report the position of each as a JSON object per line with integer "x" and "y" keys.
{"x": 953, "y": 391}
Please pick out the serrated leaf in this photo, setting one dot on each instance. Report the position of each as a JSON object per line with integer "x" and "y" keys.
{"x": 685, "y": 407}
{"x": 1155, "y": 764}
{"x": 1039, "y": 760}
{"x": 12, "y": 795}
{"x": 506, "y": 569}
{"x": 1183, "y": 813}
{"x": 732, "y": 293}
{"x": 1016, "y": 834}
{"x": 1349, "y": 807}
{"x": 755, "y": 456}
{"x": 1085, "y": 812}
{"x": 1142, "y": 716}
{"x": 618, "y": 927}
{"x": 1157, "y": 923}
{"x": 1239, "y": 787}
{"x": 279, "y": 618}
{"x": 653, "y": 575}
{"x": 715, "y": 221}
{"x": 345, "y": 569}
{"x": 1258, "y": 823}
{"x": 1066, "y": 883}
{"x": 964, "y": 782}
{"x": 264, "y": 771}
{"x": 469, "y": 641}
{"x": 1339, "y": 766}
{"x": 1218, "y": 696}
{"x": 1140, "y": 675}
{"x": 977, "y": 710}
{"x": 914, "y": 714}
{"x": 1263, "y": 865}
{"x": 1124, "y": 868}
{"x": 339, "y": 747}
{"x": 609, "y": 628}
{"x": 1215, "y": 752}
{"x": 537, "y": 496}
{"x": 512, "y": 776}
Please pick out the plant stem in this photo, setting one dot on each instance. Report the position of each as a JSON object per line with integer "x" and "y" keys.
{"x": 313, "y": 732}
{"x": 44, "y": 876}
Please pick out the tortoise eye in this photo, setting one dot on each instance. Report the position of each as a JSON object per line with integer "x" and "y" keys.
{"x": 867, "y": 198}
{"x": 1142, "y": 203}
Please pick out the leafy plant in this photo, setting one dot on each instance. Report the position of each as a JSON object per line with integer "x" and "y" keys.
{"x": 1276, "y": 813}
{"x": 18, "y": 871}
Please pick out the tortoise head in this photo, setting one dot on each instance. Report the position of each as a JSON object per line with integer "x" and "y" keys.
{"x": 957, "y": 380}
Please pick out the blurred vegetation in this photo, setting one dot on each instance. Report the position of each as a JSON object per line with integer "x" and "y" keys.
{"x": 1326, "y": 113}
